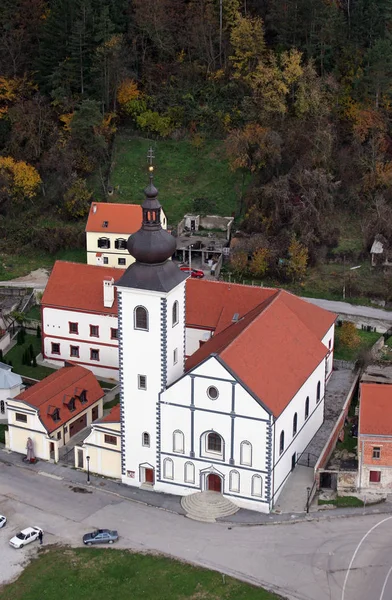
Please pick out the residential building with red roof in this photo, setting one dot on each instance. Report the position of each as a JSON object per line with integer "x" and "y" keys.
{"x": 108, "y": 228}
{"x": 375, "y": 431}
{"x": 52, "y": 411}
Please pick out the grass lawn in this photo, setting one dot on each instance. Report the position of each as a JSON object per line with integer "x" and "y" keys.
{"x": 368, "y": 338}
{"x": 113, "y": 402}
{"x": 182, "y": 173}
{"x": 343, "y": 501}
{"x": 103, "y": 574}
{"x": 18, "y": 265}
{"x": 15, "y": 356}
{"x": 3, "y": 428}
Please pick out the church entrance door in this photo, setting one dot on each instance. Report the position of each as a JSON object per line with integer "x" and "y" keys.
{"x": 149, "y": 475}
{"x": 214, "y": 483}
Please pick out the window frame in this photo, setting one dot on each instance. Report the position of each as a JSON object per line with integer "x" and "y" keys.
{"x": 175, "y": 313}
{"x": 253, "y": 492}
{"x": 232, "y": 488}
{"x": 135, "y": 318}
{"x": 168, "y": 461}
{"x": 122, "y": 261}
{"x": 106, "y": 245}
{"x": 318, "y": 392}
{"x": 120, "y": 244}
{"x": 242, "y": 461}
{"x": 178, "y": 435}
{"x": 55, "y": 351}
{"x": 376, "y": 450}
{"x": 113, "y": 337}
{"x": 175, "y": 356}
{"x": 77, "y": 355}
{"x": 307, "y": 401}
{"x": 212, "y": 450}
{"x": 70, "y": 324}
{"x": 105, "y": 260}
{"x": 113, "y": 439}
{"x": 146, "y": 440}
{"x": 139, "y": 382}
{"x": 281, "y": 443}
{"x": 20, "y": 417}
{"x": 91, "y": 354}
{"x": 374, "y": 476}
{"x": 295, "y": 424}
{"x": 92, "y": 328}
{"x": 186, "y": 478}
{"x": 212, "y": 387}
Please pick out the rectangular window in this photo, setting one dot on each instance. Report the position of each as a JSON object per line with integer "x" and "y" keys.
{"x": 59, "y": 435}
{"x": 113, "y": 334}
{"x": 122, "y": 261}
{"x": 94, "y": 354}
{"x": 21, "y": 418}
{"x": 105, "y": 260}
{"x": 142, "y": 382}
{"x": 74, "y": 351}
{"x": 94, "y": 331}
{"x": 375, "y": 476}
{"x": 111, "y": 439}
{"x": 120, "y": 244}
{"x": 175, "y": 356}
{"x": 104, "y": 243}
{"x": 376, "y": 452}
{"x": 73, "y": 327}
{"x": 55, "y": 348}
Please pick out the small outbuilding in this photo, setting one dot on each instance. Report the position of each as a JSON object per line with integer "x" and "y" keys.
{"x": 11, "y": 385}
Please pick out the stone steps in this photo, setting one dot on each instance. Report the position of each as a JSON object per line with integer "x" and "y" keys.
{"x": 207, "y": 506}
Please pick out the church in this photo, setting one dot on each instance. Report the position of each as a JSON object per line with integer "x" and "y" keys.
{"x": 230, "y": 411}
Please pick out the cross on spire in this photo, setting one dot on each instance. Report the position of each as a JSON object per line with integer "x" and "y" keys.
{"x": 150, "y": 161}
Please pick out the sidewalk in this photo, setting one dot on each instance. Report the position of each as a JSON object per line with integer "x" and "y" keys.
{"x": 171, "y": 503}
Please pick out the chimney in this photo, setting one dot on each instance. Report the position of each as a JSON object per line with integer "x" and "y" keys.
{"x": 94, "y": 208}
{"x": 108, "y": 292}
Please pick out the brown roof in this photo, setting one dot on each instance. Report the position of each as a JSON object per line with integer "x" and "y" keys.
{"x": 120, "y": 218}
{"x": 113, "y": 416}
{"x": 56, "y": 390}
{"x": 79, "y": 286}
{"x": 375, "y": 409}
{"x": 270, "y": 350}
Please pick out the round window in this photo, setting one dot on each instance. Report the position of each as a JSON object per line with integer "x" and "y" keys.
{"x": 212, "y": 392}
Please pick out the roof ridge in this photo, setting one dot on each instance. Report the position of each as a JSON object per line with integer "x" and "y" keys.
{"x": 243, "y": 285}
{"x": 45, "y": 381}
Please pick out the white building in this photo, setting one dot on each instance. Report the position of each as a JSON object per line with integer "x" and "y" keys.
{"x": 108, "y": 228}
{"x": 235, "y": 417}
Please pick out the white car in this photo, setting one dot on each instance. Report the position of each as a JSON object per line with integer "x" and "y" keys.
{"x": 25, "y": 537}
{"x": 3, "y": 521}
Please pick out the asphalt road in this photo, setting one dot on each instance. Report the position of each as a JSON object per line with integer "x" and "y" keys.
{"x": 352, "y": 309}
{"x": 303, "y": 561}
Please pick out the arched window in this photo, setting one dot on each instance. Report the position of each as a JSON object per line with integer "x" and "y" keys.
{"x": 146, "y": 439}
{"x": 306, "y": 407}
{"x": 318, "y": 391}
{"x": 246, "y": 453}
{"x": 168, "y": 468}
{"x": 189, "y": 472}
{"x": 175, "y": 313}
{"x": 281, "y": 442}
{"x": 295, "y": 423}
{"x": 2, "y": 407}
{"x": 178, "y": 441}
{"x": 214, "y": 442}
{"x": 141, "y": 318}
{"x": 234, "y": 481}
{"x": 257, "y": 485}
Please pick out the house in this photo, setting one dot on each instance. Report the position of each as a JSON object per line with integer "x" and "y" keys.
{"x": 103, "y": 446}
{"x": 375, "y": 430}
{"x": 108, "y": 228}
{"x": 221, "y": 386}
{"x": 53, "y": 410}
{"x": 79, "y": 318}
{"x": 11, "y": 385}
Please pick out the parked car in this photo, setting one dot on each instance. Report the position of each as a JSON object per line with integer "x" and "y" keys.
{"x": 100, "y": 536}
{"x": 30, "y": 534}
{"x": 3, "y": 521}
{"x": 194, "y": 273}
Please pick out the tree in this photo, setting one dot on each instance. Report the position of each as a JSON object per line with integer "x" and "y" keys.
{"x": 38, "y": 331}
{"x": 18, "y": 180}
{"x": 253, "y": 148}
{"x": 77, "y": 199}
{"x": 248, "y": 45}
{"x": 297, "y": 261}
{"x": 259, "y": 263}
{"x": 349, "y": 336}
{"x": 239, "y": 262}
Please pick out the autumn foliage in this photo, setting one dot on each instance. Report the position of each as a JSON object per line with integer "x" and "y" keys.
{"x": 18, "y": 180}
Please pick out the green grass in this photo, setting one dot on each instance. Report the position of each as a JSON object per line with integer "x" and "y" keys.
{"x": 368, "y": 338}
{"x": 3, "y": 428}
{"x": 350, "y": 443}
{"x": 106, "y": 384}
{"x": 103, "y": 574}
{"x": 15, "y": 356}
{"x": 113, "y": 402}
{"x": 343, "y": 502}
{"x": 19, "y": 265}
{"x": 34, "y": 313}
{"x": 182, "y": 174}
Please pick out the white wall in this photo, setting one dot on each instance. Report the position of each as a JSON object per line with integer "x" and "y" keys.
{"x": 105, "y": 459}
{"x": 56, "y": 330}
{"x": 6, "y": 394}
{"x": 305, "y": 429}
{"x": 193, "y": 338}
{"x": 328, "y": 341}
{"x": 18, "y": 432}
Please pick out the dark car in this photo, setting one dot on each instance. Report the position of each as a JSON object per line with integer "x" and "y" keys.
{"x": 100, "y": 536}
{"x": 194, "y": 273}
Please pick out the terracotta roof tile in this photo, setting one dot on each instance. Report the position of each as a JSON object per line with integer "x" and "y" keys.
{"x": 60, "y": 387}
{"x": 120, "y": 218}
{"x": 375, "y": 409}
{"x": 79, "y": 286}
{"x": 113, "y": 416}
{"x": 267, "y": 340}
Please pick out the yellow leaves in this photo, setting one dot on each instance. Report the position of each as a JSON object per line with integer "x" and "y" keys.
{"x": 348, "y": 335}
{"x": 66, "y": 120}
{"x": 291, "y": 66}
{"x": 366, "y": 121}
{"x": 21, "y": 179}
{"x": 298, "y": 260}
{"x": 181, "y": 56}
{"x": 260, "y": 260}
{"x": 127, "y": 92}
{"x": 10, "y": 90}
{"x": 253, "y": 148}
{"x": 247, "y": 41}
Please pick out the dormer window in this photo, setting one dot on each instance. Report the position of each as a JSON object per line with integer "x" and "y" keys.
{"x": 54, "y": 413}
{"x": 120, "y": 244}
{"x": 105, "y": 223}
{"x": 104, "y": 243}
{"x": 83, "y": 397}
{"x": 71, "y": 405}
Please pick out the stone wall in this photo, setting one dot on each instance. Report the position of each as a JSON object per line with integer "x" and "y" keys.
{"x": 347, "y": 482}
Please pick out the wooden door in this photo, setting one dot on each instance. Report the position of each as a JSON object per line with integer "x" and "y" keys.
{"x": 94, "y": 413}
{"x": 214, "y": 483}
{"x": 78, "y": 425}
{"x": 149, "y": 475}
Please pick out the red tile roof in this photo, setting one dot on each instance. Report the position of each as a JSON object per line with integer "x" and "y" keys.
{"x": 60, "y": 387}
{"x": 113, "y": 416}
{"x": 120, "y": 218}
{"x": 80, "y": 287}
{"x": 375, "y": 409}
{"x": 270, "y": 350}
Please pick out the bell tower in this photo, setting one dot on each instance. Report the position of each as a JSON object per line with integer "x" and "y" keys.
{"x": 151, "y": 324}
